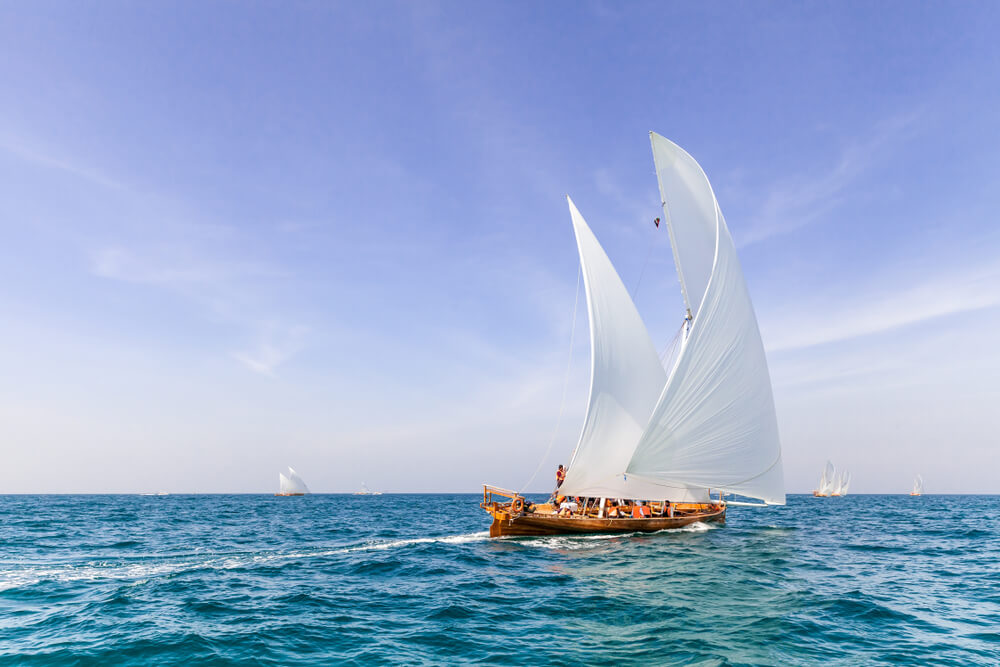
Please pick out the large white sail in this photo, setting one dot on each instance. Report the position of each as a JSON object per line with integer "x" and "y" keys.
{"x": 714, "y": 425}
{"x": 291, "y": 482}
{"x": 626, "y": 375}
{"x": 845, "y": 481}
{"x": 918, "y": 486}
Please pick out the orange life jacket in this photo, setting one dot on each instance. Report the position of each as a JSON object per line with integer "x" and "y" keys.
{"x": 641, "y": 511}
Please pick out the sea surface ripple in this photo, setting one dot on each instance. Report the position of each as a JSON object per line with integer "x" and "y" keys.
{"x": 414, "y": 579}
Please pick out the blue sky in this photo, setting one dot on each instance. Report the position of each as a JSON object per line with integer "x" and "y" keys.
{"x": 238, "y": 236}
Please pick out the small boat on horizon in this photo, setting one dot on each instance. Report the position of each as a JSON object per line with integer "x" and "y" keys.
{"x": 826, "y": 481}
{"x": 365, "y": 491}
{"x": 842, "y": 484}
{"x": 660, "y": 436}
{"x": 918, "y": 486}
{"x": 290, "y": 484}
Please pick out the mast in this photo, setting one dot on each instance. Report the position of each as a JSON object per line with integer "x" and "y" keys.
{"x": 673, "y": 241}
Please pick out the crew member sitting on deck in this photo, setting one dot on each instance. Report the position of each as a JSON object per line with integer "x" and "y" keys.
{"x": 567, "y": 507}
{"x": 611, "y": 509}
{"x": 641, "y": 510}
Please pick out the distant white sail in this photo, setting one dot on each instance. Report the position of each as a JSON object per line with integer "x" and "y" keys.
{"x": 839, "y": 487}
{"x": 918, "y": 486}
{"x": 835, "y": 487}
{"x": 827, "y": 480}
{"x": 291, "y": 483}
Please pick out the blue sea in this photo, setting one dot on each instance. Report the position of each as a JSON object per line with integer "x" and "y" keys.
{"x": 414, "y": 579}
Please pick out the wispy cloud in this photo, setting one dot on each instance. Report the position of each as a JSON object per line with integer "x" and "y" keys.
{"x": 886, "y": 309}
{"x": 170, "y": 267}
{"x": 275, "y": 344}
{"x": 46, "y": 158}
{"x": 794, "y": 203}
{"x": 223, "y": 288}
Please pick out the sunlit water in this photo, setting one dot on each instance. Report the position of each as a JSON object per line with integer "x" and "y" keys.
{"x": 414, "y": 579}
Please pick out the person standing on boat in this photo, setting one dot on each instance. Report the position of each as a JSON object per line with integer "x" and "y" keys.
{"x": 560, "y": 476}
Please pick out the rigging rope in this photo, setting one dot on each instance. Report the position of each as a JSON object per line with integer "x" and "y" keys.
{"x": 643, "y": 271}
{"x": 649, "y": 254}
{"x": 562, "y": 403}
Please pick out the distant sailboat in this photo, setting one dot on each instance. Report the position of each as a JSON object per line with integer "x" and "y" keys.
{"x": 365, "y": 491}
{"x": 654, "y": 434}
{"x": 826, "y": 481}
{"x": 845, "y": 482}
{"x": 840, "y": 488}
{"x": 918, "y": 486}
{"x": 290, "y": 484}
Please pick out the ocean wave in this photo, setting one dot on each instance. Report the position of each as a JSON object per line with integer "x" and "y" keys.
{"x": 333, "y": 581}
{"x": 29, "y": 576}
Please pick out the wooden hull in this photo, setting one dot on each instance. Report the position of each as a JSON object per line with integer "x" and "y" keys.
{"x": 549, "y": 524}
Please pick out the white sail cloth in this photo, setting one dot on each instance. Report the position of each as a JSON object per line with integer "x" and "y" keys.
{"x": 291, "y": 482}
{"x": 712, "y": 423}
{"x": 826, "y": 479}
{"x": 626, "y": 377}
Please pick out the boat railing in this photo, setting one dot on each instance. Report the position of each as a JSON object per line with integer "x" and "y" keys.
{"x": 490, "y": 502}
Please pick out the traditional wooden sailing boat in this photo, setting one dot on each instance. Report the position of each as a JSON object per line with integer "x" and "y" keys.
{"x": 840, "y": 484}
{"x": 365, "y": 491}
{"x": 918, "y": 486}
{"x": 666, "y": 436}
{"x": 826, "y": 481}
{"x": 290, "y": 484}
{"x": 845, "y": 482}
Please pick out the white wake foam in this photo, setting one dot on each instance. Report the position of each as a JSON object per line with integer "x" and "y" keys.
{"x": 573, "y": 542}
{"x": 28, "y": 576}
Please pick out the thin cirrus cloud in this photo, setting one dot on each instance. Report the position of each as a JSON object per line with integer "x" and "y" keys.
{"x": 220, "y": 287}
{"x": 275, "y": 344}
{"x": 49, "y": 159}
{"x": 171, "y": 268}
{"x": 941, "y": 295}
{"x": 791, "y": 204}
